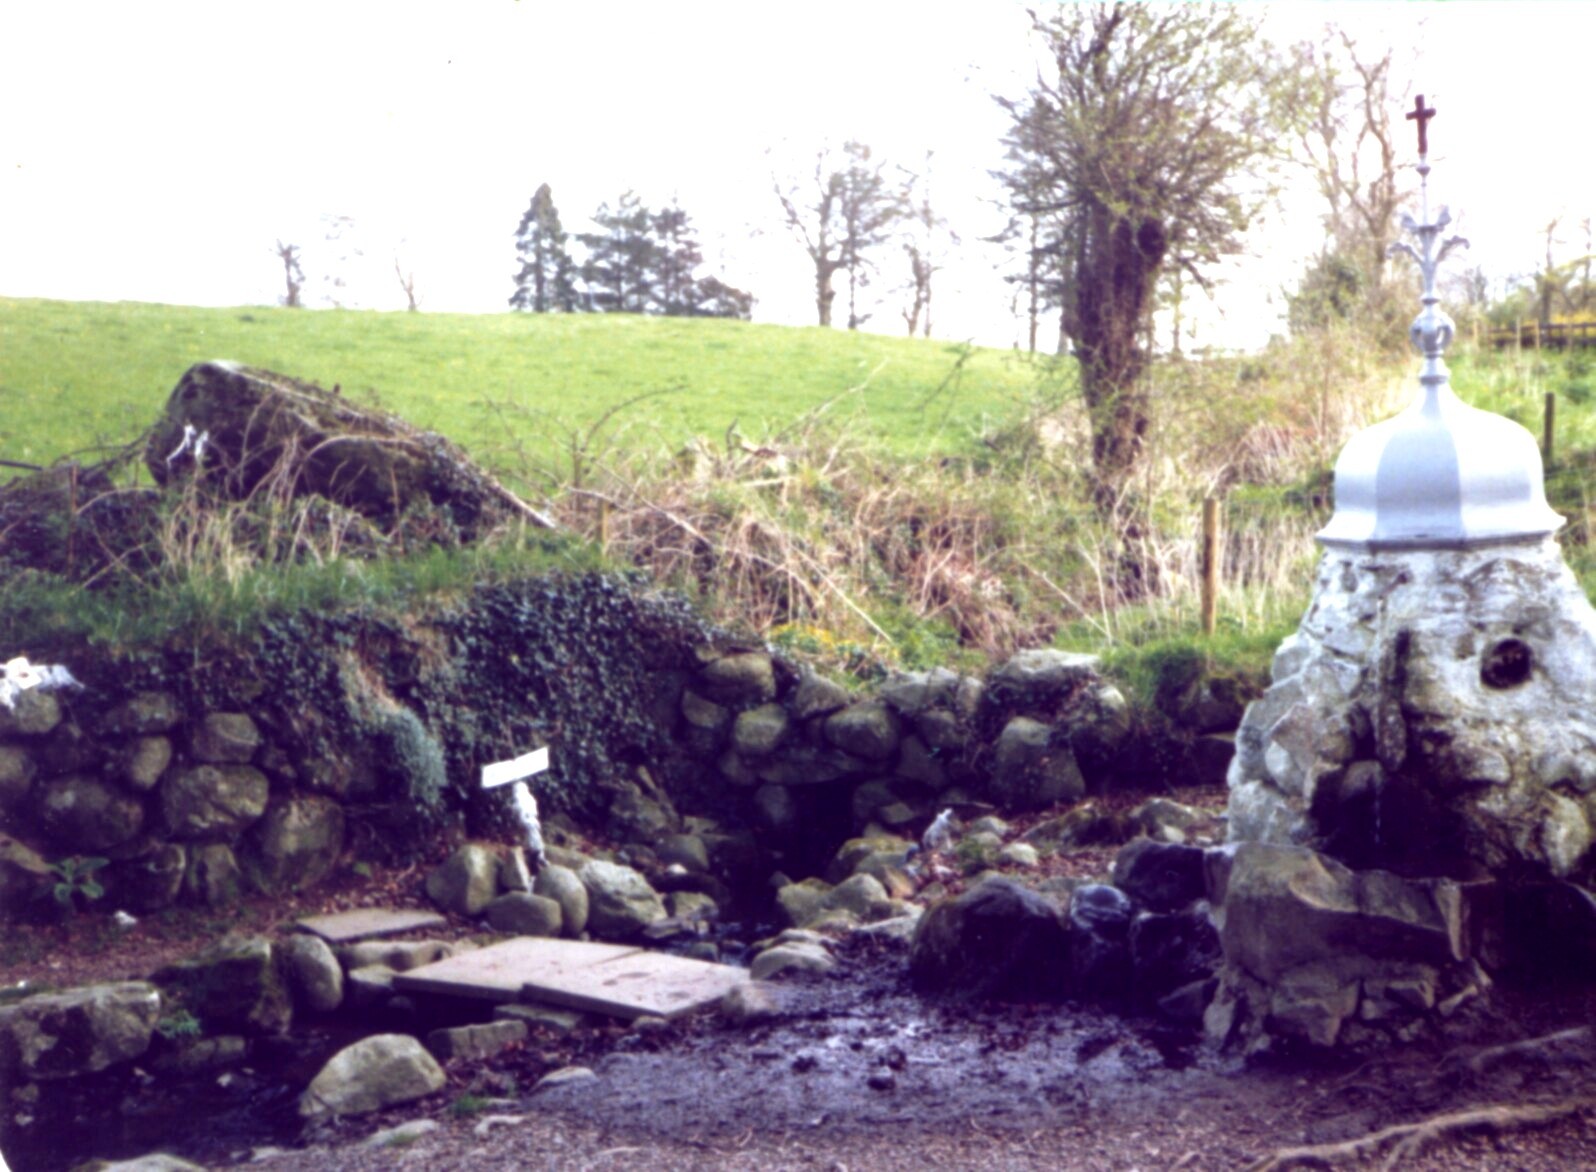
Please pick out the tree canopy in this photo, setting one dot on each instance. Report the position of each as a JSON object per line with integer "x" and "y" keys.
{"x": 1139, "y": 147}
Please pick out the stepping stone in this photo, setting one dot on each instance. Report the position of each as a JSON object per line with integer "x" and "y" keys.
{"x": 612, "y": 979}
{"x": 641, "y": 984}
{"x": 499, "y": 971}
{"x": 367, "y": 923}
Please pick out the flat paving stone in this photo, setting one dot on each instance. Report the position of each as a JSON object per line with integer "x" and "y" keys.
{"x": 613, "y": 979}
{"x": 642, "y": 984}
{"x": 500, "y": 971}
{"x": 367, "y": 923}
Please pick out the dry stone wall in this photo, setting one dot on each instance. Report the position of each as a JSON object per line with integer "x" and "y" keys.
{"x": 199, "y": 772}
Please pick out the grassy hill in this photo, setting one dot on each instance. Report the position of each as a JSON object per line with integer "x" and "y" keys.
{"x": 513, "y": 388}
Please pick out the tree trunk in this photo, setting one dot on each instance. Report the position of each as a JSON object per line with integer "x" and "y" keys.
{"x": 1120, "y": 271}
{"x": 824, "y": 293}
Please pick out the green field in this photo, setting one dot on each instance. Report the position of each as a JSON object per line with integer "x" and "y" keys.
{"x": 510, "y": 387}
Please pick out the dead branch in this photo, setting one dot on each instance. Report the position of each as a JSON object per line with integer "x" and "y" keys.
{"x": 1408, "y": 1139}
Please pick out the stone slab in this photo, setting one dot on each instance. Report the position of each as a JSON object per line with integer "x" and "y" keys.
{"x": 613, "y": 979}
{"x": 500, "y": 971}
{"x": 368, "y": 923}
{"x": 641, "y": 984}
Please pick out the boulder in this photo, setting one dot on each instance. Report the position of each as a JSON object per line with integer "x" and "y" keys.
{"x": 620, "y": 901}
{"x": 744, "y": 678}
{"x": 87, "y": 814}
{"x": 868, "y": 730}
{"x": 33, "y": 714}
{"x": 817, "y": 696}
{"x": 1170, "y": 951}
{"x": 212, "y": 876}
{"x": 224, "y": 738}
{"x": 1032, "y": 769}
{"x": 142, "y": 762}
{"x": 795, "y": 958}
{"x": 852, "y": 854}
{"x": 1099, "y": 928}
{"x": 809, "y": 765}
{"x": 917, "y": 763}
{"x": 803, "y": 902}
{"x": 314, "y": 974}
{"x": 564, "y": 887}
{"x": 634, "y": 815}
{"x": 1162, "y": 876}
{"x": 685, "y": 850}
{"x": 399, "y": 955}
{"x": 142, "y": 714}
{"x": 482, "y": 1040}
{"x": 1289, "y": 906}
{"x": 373, "y": 1073}
{"x": 1039, "y": 675}
{"x": 465, "y": 881}
{"x": 17, "y": 770}
{"x": 262, "y": 426}
{"x": 213, "y": 801}
{"x": 704, "y": 714}
{"x": 997, "y": 939}
{"x": 1311, "y": 946}
{"x": 298, "y": 843}
{"x": 80, "y": 1031}
{"x": 234, "y": 986}
{"x": 524, "y": 914}
{"x": 758, "y": 731}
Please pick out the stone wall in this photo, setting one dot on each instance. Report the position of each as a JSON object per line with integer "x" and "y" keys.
{"x": 205, "y": 768}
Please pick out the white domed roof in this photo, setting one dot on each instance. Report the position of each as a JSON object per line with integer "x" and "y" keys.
{"x": 1441, "y": 475}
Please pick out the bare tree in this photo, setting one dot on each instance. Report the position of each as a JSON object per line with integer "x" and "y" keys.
{"x": 1141, "y": 144}
{"x": 407, "y": 282}
{"x": 812, "y": 214}
{"x": 1348, "y": 143}
{"x": 293, "y": 274}
{"x": 840, "y": 215}
{"x": 926, "y": 231}
{"x": 870, "y": 205}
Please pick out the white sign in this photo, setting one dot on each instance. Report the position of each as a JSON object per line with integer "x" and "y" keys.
{"x": 504, "y": 772}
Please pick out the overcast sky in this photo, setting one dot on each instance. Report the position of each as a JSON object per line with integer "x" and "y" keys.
{"x": 155, "y": 151}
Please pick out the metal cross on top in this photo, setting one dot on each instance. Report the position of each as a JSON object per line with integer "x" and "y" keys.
{"x": 1422, "y": 115}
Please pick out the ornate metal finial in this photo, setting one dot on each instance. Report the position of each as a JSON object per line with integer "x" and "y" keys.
{"x": 1432, "y": 331}
{"x": 1440, "y": 475}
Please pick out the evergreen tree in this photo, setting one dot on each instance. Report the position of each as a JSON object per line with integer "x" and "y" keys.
{"x": 676, "y": 258}
{"x": 546, "y": 282}
{"x": 712, "y": 297}
{"x": 620, "y": 270}
{"x": 645, "y": 261}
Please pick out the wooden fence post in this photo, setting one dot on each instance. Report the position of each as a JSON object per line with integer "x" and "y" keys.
{"x": 1548, "y": 428}
{"x": 1210, "y": 564}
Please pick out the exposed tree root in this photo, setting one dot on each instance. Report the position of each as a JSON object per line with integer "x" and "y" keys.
{"x": 1407, "y": 1139}
{"x": 1565, "y": 1047}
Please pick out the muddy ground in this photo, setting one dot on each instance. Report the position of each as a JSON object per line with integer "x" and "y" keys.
{"x": 858, "y": 1072}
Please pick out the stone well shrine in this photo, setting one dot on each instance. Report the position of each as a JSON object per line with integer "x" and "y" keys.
{"x": 1433, "y": 713}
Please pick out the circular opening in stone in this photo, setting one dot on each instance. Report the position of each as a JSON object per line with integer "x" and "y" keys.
{"x": 1507, "y": 664}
